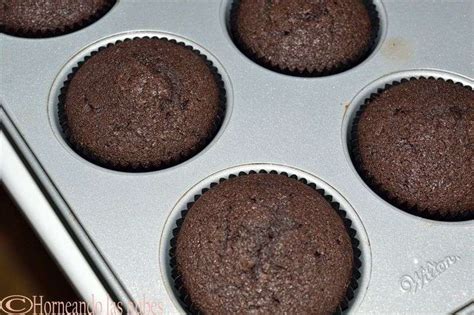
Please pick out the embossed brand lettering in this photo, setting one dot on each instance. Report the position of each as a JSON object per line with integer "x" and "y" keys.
{"x": 427, "y": 273}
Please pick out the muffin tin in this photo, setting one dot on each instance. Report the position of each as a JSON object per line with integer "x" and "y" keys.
{"x": 124, "y": 221}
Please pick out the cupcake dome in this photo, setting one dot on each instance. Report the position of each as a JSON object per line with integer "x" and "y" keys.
{"x": 414, "y": 146}
{"x": 142, "y": 104}
{"x": 264, "y": 243}
{"x": 305, "y": 37}
{"x": 42, "y": 18}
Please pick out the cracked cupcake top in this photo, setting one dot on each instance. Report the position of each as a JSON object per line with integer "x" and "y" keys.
{"x": 264, "y": 244}
{"x": 143, "y": 103}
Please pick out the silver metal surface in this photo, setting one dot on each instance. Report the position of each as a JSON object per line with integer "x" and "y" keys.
{"x": 412, "y": 265}
{"x": 24, "y": 190}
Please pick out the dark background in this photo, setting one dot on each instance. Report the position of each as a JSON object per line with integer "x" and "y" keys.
{"x": 26, "y": 267}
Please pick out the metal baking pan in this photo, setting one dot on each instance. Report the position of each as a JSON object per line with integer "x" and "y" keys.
{"x": 123, "y": 221}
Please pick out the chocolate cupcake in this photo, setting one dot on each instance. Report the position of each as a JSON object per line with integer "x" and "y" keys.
{"x": 263, "y": 243}
{"x": 142, "y": 104}
{"x": 413, "y": 145}
{"x": 307, "y": 38}
{"x": 45, "y": 18}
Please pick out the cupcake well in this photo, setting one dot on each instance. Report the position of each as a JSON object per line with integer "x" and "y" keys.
{"x": 307, "y": 72}
{"x": 183, "y": 296}
{"x": 63, "y": 120}
{"x": 373, "y": 184}
{"x": 66, "y": 29}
